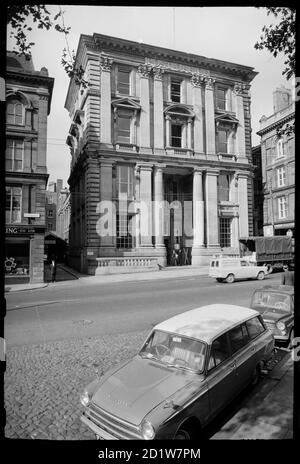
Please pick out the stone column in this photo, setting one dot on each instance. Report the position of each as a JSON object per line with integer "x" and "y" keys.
{"x": 144, "y": 71}
{"x": 158, "y": 213}
{"x": 105, "y": 101}
{"x": 235, "y": 219}
{"x": 168, "y": 130}
{"x": 212, "y": 221}
{"x": 145, "y": 205}
{"x": 189, "y": 134}
{"x": 243, "y": 204}
{"x": 198, "y": 218}
{"x": 240, "y": 132}
{"x": 196, "y": 81}
{"x": 158, "y": 109}
{"x": 107, "y": 197}
{"x": 210, "y": 117}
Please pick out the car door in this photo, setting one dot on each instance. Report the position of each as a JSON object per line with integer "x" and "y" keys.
{"x": 243, "y": 351}
{"x": 220, "y": 375}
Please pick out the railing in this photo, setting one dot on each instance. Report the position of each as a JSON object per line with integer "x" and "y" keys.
{"x": 126, "y": 262}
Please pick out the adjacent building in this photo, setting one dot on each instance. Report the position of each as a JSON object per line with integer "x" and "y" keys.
{"x": 258, "y": 192}
{"x": 165, "y": 138}
{"x": 28, "y": 97}
{"x": 278, "y": 166}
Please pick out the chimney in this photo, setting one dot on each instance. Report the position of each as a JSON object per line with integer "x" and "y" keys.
{"x": 282, "y": 98}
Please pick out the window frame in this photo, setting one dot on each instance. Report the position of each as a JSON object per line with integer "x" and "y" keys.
{"x": 124, "y": 115}
{"x": 262, "y": 324}
{"x": 176, "y": 124}
{"x": 221, "y": 232}
{"x": 227, "y": 132}
{"x": 281, "y": 176}
{"x": 15, "y": 102}
{"x": 211, "y": 369}
{"x": 225, "y": 100}
{"x": 176, "y": 81}
{"x": 11, "y": 188}
{"x": 279, "y": 148}
{"x": 13, "y": 159}
{"x": 243, "y": 324}
{"x": 124, "y": 69}
{"x": 282, "y": 207}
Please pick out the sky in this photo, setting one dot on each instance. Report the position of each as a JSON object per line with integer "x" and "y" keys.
{"x": 225, "y": 33}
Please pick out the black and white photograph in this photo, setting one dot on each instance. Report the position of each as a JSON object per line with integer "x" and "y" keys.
{"x": 149, "y": 246}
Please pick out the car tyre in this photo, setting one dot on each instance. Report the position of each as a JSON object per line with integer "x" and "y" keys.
{"x": 230, "y": 278}
{"x": 260, "y": 275}
{"x": 219, "y": 279}
{"x": 182, "y": 434}
{"x": 269, "y": 268}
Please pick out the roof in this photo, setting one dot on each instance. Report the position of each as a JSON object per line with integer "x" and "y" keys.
{"x": 207, "y": 322}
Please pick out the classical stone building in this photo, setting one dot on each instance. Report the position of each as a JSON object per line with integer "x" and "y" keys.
{"x": 165, "y": 137}
{"x": 278, "y": 166}
{"x": 28, "y": 97}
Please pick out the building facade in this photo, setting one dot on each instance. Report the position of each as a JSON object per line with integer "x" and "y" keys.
{"x": 278, "y": 166}
{"x": 258, "y": 193}
{"x": 52, "y": 194}
{"x": 28, "y": 97}
{"x": 63, "y": 214}
{"x": 165, "y": 137}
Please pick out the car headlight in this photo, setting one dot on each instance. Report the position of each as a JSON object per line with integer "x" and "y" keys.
{"x": 147, "y": 430}
{"x": 85, "y": 398}
{"x": 281, "y": 326}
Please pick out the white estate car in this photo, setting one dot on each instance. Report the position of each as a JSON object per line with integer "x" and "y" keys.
{"x": 230, "y": 269}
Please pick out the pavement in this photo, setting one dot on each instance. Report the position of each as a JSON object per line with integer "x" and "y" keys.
{"x": 66, "y": 275}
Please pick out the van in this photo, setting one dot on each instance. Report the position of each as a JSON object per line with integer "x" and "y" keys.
{"x": 229, "y": 269}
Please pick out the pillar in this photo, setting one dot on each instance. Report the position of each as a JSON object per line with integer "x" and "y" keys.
{"x": 196, "y": 81}
{"x": 235, "y": 219}
{"x": 240, "y": 132}
{"x": 106, "y": 196}
{"x": 212, "y": 221}
{"x": 243, "y": 204}
{"x": 158, "y": 109}
{"x": 145, "y": 205}
{"x": 158, "y": 213}
{"x": 105, "y": 101}
{"x": 210, "y": 117}
{"x": 144, "y": 71}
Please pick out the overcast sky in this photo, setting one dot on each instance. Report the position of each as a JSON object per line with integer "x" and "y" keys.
{"x": 225, "y": 33}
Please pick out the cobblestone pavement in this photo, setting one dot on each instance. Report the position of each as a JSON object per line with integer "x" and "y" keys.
{"x": 43, "y": 383}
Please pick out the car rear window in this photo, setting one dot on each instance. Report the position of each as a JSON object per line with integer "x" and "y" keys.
{"x": 238, "y": 337}
{"x": 255, "y": 327}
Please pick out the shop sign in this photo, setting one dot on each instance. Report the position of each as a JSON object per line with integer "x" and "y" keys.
{"x": 21, "y": 230}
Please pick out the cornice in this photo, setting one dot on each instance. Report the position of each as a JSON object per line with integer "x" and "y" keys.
{"x": 275, "y": 124}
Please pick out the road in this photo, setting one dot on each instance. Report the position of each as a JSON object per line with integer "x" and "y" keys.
{"x": 77, "y": 310}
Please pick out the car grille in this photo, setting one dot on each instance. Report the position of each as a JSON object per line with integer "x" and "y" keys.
{"x": 272, "y": 326}
{"x": 119, "y": 428}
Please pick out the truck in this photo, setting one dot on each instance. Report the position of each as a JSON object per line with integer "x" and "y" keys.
{"x": 275, "y": 252}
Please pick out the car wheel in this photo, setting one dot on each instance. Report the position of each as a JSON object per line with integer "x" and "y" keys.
{"x": 182, "y": 434}
{"x": 230, "y": 278}
{"x": 269, "y": 268}
{"x": 260, "y": 275}
{"x": 290, "y": 344}
{"x": 256, "y": 376}
{"x": 219, "y": 279}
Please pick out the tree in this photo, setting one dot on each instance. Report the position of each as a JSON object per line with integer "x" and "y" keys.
{"x": 17, "y": 18}
{"x": 281, "y": 38}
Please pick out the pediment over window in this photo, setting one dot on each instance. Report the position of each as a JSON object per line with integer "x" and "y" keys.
{"x": 226, "y": 119}
{"x": 78, "y": 116}
{"x": 179, "y": 109}
{"x": 74, "y": 130}
{"x": 127, "y": 103}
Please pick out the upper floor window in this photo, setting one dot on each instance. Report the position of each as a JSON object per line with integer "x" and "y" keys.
{"x": 124, "y": 127}
{"x": 175, "y": 92}
{"x": 221, "y": 98}
{"x": 13, "y": 206}
{"x": 176, "y": 135}
{"x": 50, "y": 213}
{"x": 14, "y": 155}
{"x": 223, "y": 187}
{"x": 15, "y": 112}
{"x": 282, "y": 207}
{"x": 223, "y": 135}
{"x": 279, "y": 148}
{"x": 123, "y": 81}
{"x": 125, "y": 180}
{"x": 281, "y": 176}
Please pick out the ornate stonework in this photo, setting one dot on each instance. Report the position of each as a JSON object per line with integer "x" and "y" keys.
{"x": 106, "y": 63}
{"x": 238, "y": 88}
{"x": 209, "y": 82}
{"x": 144, "y": 70}
{"x": 158, "y": 72}
{"x": 197, "y": 79}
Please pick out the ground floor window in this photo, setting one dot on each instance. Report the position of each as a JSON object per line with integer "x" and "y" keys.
{"x": 124, "y": 237}
{"x": 16, "y": 260}
{"x": 225, "y": 232}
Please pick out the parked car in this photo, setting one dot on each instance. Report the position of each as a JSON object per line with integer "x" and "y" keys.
{"x": 189, "y": 368}
{"x": 276, "y": 305}
{"x": 230, "y": 269}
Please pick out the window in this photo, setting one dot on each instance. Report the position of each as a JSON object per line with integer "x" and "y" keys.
{"x": 255, "y": 327}
{"x": 279, "y": 148}
{"x": 124, "y": 237}
{"x": 281, "y": 177}
{"x": 282, "y": 207}
{"x": 123, "y": 85}
{"x": 49, "y": 226}
{"x": 219, "y": 351}
{"x": 175, "y": 90}
{"x": 15, "y": 112}
{"x": 225, "y": 232}
{"x": 238, "y": 337}
{"x": 13, "y": 205}
{"x": 50, "y": 213}
{"x": 221, "y": 98}
{"x": 223, "y": 141}
{"x": 14, "y": 155}
{"x": 223, "y": 187}
{"x": 124, "y": 127}
{"x": 125, "y": 180}
{"x": 176, "y": 135}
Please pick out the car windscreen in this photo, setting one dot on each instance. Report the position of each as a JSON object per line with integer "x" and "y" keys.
{"x": 176, "y": 350}
{"x": 271, "y": 300}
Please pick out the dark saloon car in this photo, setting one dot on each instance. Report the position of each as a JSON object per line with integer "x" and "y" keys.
{"x": 276, "y": 305}
{"x": 189, "y": 368}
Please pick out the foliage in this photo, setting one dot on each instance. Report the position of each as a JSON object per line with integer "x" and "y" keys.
{"x": 281, "y": 38}
{"x": 18, "y": 17}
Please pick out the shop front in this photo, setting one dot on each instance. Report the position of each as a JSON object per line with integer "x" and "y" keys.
{"x": 24, "y": 255}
